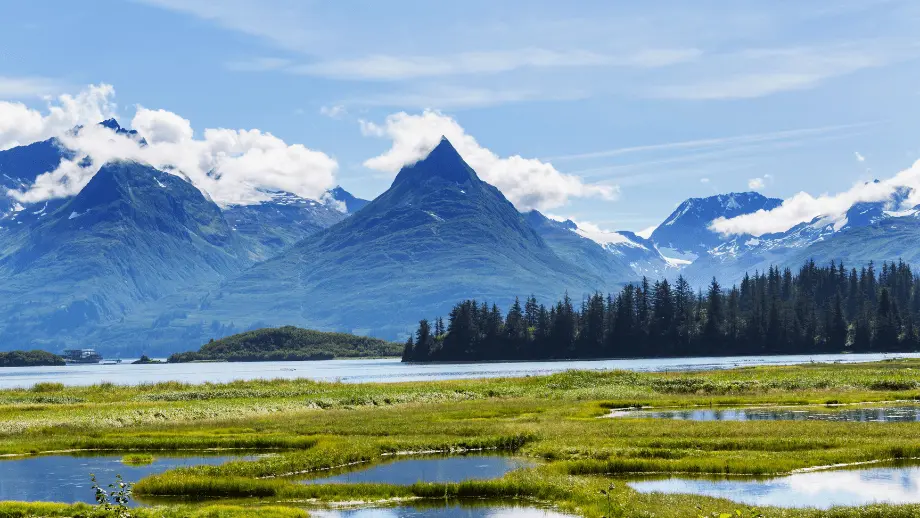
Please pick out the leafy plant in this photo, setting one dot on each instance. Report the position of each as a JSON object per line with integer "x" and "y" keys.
{"x": 116, "y": 499}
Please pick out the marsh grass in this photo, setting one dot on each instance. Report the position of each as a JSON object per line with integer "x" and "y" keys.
{"x": 137, "y": 459}
{"x": 315, "y": 427}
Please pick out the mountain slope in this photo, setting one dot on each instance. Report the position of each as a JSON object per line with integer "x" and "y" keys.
{"x": 131, "y": 236}
{"x": 437, "y": 235}
{"x": 620, "y": 257}
{"x": 686, "y": 231}
{"x": 274, "y": 225}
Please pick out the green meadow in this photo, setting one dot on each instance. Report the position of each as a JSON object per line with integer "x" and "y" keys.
{"x": 309, "y": 428}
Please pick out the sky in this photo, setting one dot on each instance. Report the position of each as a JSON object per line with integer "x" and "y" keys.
{"x": 609, "y": 113}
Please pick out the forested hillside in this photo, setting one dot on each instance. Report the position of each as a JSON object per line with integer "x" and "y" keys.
{"x": 288, "y": 343}
{"x": 816, "y": 310}
{"x": 35, "y": 358}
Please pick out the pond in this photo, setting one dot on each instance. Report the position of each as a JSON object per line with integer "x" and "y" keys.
{"x": 820, "y": 489}
{"x": 444, "y": 511}
{"x": 430, "y": 469}
{"x": 65, "y": 478}
{"x": 857, "y": 413}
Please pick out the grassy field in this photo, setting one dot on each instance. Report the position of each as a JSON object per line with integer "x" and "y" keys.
{"x": 314, "y": 426}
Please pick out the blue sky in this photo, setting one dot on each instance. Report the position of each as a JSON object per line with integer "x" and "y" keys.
{"x": 647, "y": 103}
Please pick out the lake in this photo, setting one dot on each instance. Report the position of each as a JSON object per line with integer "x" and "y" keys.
{"x": 385, "y": 370}
{"x": 821, "y": 489}
{"x": 65, "y": 478}
{"x": 429, "y": 469}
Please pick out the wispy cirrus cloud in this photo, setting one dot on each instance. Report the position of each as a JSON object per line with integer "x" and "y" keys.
{"x": 716, "y": 142}
{"x": 383, "y": 67}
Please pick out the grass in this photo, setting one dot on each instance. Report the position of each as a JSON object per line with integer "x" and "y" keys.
{"x": 313, "y": 427}
{"x": 137, "y": 459}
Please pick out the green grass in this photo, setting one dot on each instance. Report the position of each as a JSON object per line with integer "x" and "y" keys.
{"x": 137, "y": 459}
{"x": 313, "y": 427}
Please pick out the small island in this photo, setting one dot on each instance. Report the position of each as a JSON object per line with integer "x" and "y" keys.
{"x": 34, "y": 358}
{"x": 146, "y": 360}
{"x": 289, "y": 343}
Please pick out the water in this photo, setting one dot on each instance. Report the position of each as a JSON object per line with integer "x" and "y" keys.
{"x": 823, "y": 489}
{"x": 384, "y": 370}
{"x": 446, "y": 511}
{"x": 862, "y": 414}
{"x": 64, "y": 478}
{"x": 432, "y": 469}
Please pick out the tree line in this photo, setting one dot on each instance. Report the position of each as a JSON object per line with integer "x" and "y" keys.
{"x": 34, "y": 358}
{"x": 828, "y": 309}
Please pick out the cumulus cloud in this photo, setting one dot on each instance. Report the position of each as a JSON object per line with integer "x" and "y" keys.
{"x": 832, "y": 208}
{"x": 859, "y": 157}
{"x": 21, "y": 125}
{"x": 528, "y": 183}
{"x": 230, "y": 166}
{"x": 759, "y": 182}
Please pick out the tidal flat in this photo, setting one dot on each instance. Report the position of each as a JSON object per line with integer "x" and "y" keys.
{"x": 582, "y": 463}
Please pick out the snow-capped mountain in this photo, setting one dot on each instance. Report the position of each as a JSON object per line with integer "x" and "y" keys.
{"x": 686, "y": 234}
{"x": 865, "y": 226}
{"x": 629, "y": 255}
{"x": 277, "y": 223}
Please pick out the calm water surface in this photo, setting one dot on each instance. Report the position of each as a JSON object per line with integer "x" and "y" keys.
{"x": 384, "y": 370}
{"x": 432, "y": 469}
{"x": 824, "y": 489}
{"x": 863, "y": 414}
{"x": 63, "y": 478}
{"x": 448, "y": 511}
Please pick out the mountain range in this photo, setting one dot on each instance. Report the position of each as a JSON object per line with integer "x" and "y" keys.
{"x": 141, "y": 261}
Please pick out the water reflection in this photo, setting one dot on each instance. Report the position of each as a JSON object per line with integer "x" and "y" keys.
{"x": 824, "y": 489}
{"x": 893, "y": 414}
{"x": 447, "y": 511}
{"x": 63, "y": 478}
{"x": 431, "y": 469}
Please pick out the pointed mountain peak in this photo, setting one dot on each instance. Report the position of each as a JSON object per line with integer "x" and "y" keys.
{"x": 443, "y": 162}
{"x": 112, "y": 124}
{"x": 444, "y": 149}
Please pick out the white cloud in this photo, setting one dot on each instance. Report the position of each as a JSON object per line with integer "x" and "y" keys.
{"x": 760, "y": 182}
{"x": 859, "y": 157}
{"x": 333, "y": 112}
{"x": 704, "y": 180}
{"x": 231, "y": 166}
{"x": 20, "y": 124}
{"x": 528, "y": 183}
{"x": 804, "y": 207}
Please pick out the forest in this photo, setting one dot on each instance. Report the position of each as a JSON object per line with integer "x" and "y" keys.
{"x": 829, "y": 309}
